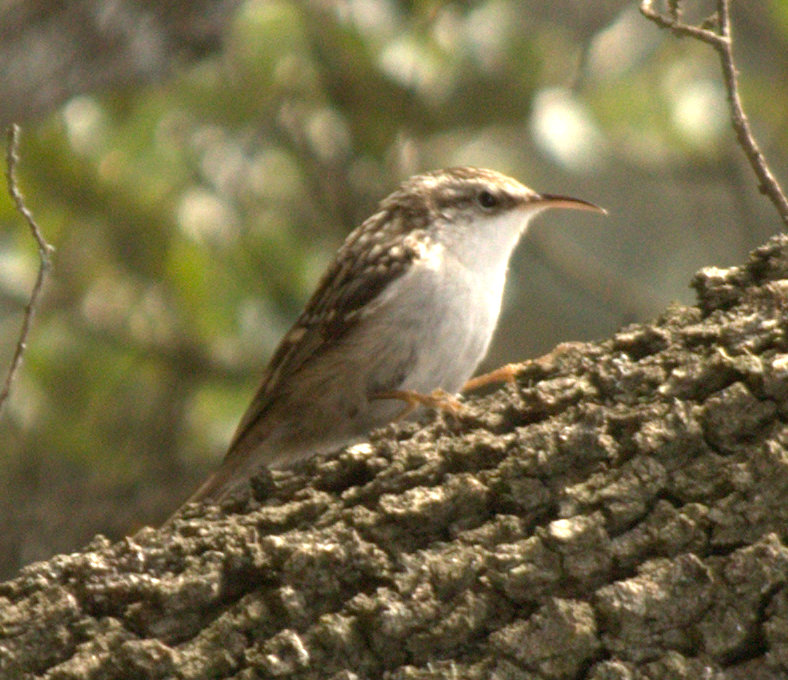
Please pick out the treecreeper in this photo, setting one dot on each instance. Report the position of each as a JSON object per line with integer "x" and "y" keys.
{"x": 402, "y": 317}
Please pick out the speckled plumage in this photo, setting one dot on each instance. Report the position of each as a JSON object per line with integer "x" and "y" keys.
{"x": 409, "y": 302}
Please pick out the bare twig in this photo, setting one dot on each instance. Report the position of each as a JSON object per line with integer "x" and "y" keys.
{"x": 716, "y": 31}
{"x": 44, "y": 251}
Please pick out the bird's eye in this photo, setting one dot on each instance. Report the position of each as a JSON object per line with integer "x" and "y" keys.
{"x": 487, "y": 200}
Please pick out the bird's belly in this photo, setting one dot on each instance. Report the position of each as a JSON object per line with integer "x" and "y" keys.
{"x": 441, "y": 338}
{"x": 434, "y": 341}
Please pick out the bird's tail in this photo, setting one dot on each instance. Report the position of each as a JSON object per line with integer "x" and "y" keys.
{"x": 217, "y": 487}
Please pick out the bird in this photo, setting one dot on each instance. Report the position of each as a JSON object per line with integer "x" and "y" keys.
{"x": 404, "y": 313}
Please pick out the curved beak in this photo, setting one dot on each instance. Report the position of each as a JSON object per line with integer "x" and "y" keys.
{"x": 556, "y": 201}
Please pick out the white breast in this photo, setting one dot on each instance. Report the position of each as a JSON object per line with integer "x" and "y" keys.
{"x": 442, "y": 314}
{"x": 433, "y": 325}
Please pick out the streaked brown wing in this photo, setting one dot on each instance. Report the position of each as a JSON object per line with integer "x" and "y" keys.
{"x": 345, "y": 293}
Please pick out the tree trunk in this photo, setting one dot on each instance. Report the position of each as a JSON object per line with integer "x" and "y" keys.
{"x": 619, "y": 513}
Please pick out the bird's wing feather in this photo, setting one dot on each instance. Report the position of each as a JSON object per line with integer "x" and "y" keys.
{"x": 344, "y": 295}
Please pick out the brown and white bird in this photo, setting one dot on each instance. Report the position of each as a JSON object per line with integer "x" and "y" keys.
{"x": 407, "y": 307}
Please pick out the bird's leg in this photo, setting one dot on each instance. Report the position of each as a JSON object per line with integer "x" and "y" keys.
{"x": 505, "y": 373}
{"x": 509, "y": 372}
{"x": 437, "y": 399}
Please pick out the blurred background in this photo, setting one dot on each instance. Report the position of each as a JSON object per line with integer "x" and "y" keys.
{"x": 196, "y": 164}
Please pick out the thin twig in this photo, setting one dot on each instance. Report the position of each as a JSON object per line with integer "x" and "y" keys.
{"x": 44, "y": 251}
{"x": 720, "y": 40}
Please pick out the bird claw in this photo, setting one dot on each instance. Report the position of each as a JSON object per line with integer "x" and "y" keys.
{"x": 509, "y": 372}
{"x": 438, "y": 399}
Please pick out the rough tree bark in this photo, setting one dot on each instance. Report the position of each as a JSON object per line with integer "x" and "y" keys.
{"x": 621, "y": 512}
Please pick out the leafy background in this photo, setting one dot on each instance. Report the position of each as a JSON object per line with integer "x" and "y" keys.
{"x": 196, "y": 171}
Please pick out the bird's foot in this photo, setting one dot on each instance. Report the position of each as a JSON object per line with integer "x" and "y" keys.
{"x": 438, "y": 399}
{"x": 505, "y": 373}
{"x": 508, "y": 373}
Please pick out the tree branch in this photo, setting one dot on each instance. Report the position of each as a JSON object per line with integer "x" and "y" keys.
{"x": 44, "y": 251}
{"x": 716, "y": 31}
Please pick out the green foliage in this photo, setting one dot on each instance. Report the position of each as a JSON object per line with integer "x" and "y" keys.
{"x": 191, "y": 218}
